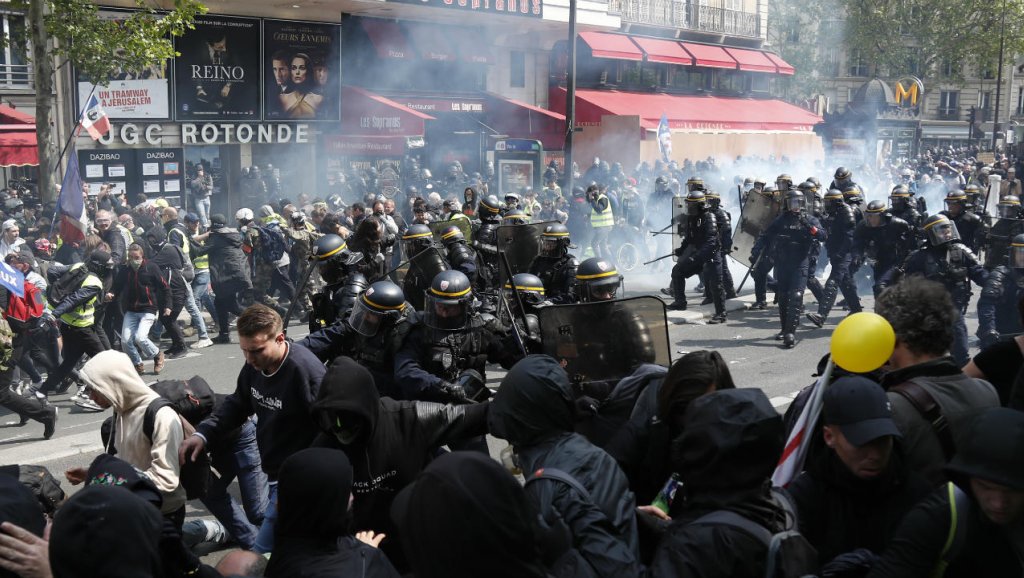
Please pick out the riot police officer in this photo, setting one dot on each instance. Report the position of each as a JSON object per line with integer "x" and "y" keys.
{"x": 783, "y": 183}
{"x": 699, "y": 253}
{"x": 945, "y": 259}
{"x": 371, "y": 335}
{"x": 902, "y": 204}
{"x": 762, "y": 258}
{"x": 485, "y": 241}
{"x": 723, "y": 220}
{"x": 814, "y": 207}
{"x": 342, "y": 281}
{"x": 854, "y": 197}
{"x": 528, "y": 289}
{"x": 976, "y": 201}
{"x": 790, "y": 237}
{"x": 884, "y": 241}
{"x": 839, "y": 224}
{"x": 460, "y": 256}
{"x": 998, "y": 312}
{"x": 415, "y": 242}
{"x": 1006, "y": 227}
{"x": 971, "y": 229}
{"x": 555, "y": 266}
{"x": 515, "y": 217}
{"x": 694, "y": 184}
{"x": 842, "y": 178}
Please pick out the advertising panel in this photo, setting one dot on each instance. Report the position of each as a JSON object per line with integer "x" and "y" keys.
{"x": 302, "y": 69}
{"x": 217, "y": 76}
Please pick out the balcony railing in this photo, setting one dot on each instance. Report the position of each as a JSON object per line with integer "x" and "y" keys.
{"x": 948, "y": 113}
{"x": 16, "y": 76}
{"x": 689, "y": 15}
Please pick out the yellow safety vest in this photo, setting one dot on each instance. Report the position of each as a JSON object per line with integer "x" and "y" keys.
{"x": 85, "y": 314}
{"x": 202, "y": 262}
{"x": 604, "y": 218}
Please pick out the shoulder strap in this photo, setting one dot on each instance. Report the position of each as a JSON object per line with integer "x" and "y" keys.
{"x": 730, "y": 518}
{"x": 925, "y": 404}
{"x": 561, "y": 476}
{"x": 959, "y": 507}
{"x": 149, "y": 419}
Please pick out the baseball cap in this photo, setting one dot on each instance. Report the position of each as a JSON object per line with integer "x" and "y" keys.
{"x": 191, "y": 218}
{"x": 861, "y": 409}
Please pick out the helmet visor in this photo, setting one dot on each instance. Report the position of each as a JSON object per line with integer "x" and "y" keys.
{"x": 874, "y": 220}
{"x": 1017, "y": 256}
{"x": 550, "y": 246}
{"x": 603, "y": 290}
{"x": 1008, "y": 211}
{"x": 445, "y": 314}
{"x": 942, "y": 233}
{"x": 365, "y": 321}
{"x": 954, "y": 206}
{"x": 898, "y": 203}
{"x": 333, "y": 271}
{"x": 795, "y": 203}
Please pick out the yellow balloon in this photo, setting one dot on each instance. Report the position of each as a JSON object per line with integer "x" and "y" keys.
{"x": 862, "y": 342}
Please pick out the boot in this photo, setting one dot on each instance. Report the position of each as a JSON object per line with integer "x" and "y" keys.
{"x": 677, "y": 305}
{"x": 789, "y": 341}
{"x": 816, "y": 318}
{"x": 717, "y": 318}
{"x": 707, "y": 301}
{"x": 759, "y": 306}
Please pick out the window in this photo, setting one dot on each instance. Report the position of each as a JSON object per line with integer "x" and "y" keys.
{"x": 948, "y": 68}
{"x": 858, "y": 65}
{"x": 830, "y": 60}
{"x": 949, "y": 103}
{"x": 14, "y": 71}
{"x": 914, "y": 66}
{"x": 985, "y": 99}
{"x": 988, "y": 71}
{"x": 517, "y": 69}
{"x": 1020, "y": 101}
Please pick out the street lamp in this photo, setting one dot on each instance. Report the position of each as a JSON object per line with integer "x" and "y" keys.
{"x": 570, "y": 99}
{"x": 999, "y": 76}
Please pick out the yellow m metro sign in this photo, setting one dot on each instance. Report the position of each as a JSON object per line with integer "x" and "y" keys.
{"x": 909, "y": 89}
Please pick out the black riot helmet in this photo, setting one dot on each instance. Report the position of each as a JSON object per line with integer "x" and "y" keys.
{"x": 807, "y": 187}
{"x": 1017, "y": 253}
{"x": 334, "y": 259}
{"x": 956, "y": 202}
{"x": 1009, "y": 207}
{"x": 814, "y": 181}
{"x": 833, "y": 199}
{"x": 900, "y": 197}
{"x": 452, "y": 235}
{"x": 530, "y": 289}
{"x": 694, "y": 184}
{"x": 448, "y": 301}
{"x": 554, "y": 241}
{"x": 783, "y": 182}
{"x": 973, "y": 193}
{"x": 696, "y": 203}
{"x": 597, "y": 280}
{"x": 874, "y": 215}
{"x": 714, "y": 199}
{"x": 940, "y": 230}
{"x": 842, "y": 175}
{"x": 796, "y": 202}
{"x": 853, "y": 195}
{"x": 379, "y": 306}
{"x": 490, "y": 207}
{"x": 515, "y": 217}
{"x": 416, "y": 238}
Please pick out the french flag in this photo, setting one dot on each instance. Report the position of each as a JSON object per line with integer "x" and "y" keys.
{"x": 71, "y": 205}
{"x": 792, "y": 461}
{"x": 95, "y": 119}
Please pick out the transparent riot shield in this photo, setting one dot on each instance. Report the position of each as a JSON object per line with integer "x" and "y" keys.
{"x": 521, "y": 245}
{"x": 606, "y": 341}
{"x": 464, "y": 225}
{"x": 759, "y": 210}
{"x": 678, "y": 223}
{"x": 425, "y": 265}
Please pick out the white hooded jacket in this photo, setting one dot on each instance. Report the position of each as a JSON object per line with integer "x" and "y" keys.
{"x": 112, "y": 375}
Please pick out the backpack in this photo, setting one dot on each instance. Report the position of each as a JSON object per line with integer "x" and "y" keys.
{"x": 790, "y": 555}
{"x": 62, "y": 286}
{"x": 959, "y": 510}
{"x": 24, "y": 312}
{"x": 272, "y": 244}
{"x": 195, "y": 398}
{"x": 41, "y": 482}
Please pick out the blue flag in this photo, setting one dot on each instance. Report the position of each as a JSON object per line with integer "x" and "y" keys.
{"x": 12, "y": 279}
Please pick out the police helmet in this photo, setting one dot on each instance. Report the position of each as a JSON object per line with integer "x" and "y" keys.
{"x": 842, "y": 174}
{"x": 807, "y": 187}
{"x": 554, "y": 241}
{"x": 714, "y": 199}
{"x": 796, "y": 202}
{"x": 694, "y": 184}
{"x": 900, "y": 197}
{"x": 853, "y": 194}
{"x": 814, "y": 181}
{"x": 515, "y": 217}
{"x": 381, "y": 303}
{"x": 874, "y": 214}
{"x": 760, "y": 181}
{"x": 957, "y": 200}
{"x": 972, "y": 189}
{"x": 452, "y": 235}
{"x": 696, "y": 203}
{"x": 597, "y": 280}
{"x": 1009, "y": 207}
{"x": 783, "y": 181}
{"x": 417, "y": 238}
{"x": 529, "y": 286}
{"x": 490, "y": 207}
{"x": 448, "y": 301}
{"x": 333, "y": 257}
{"x": 833, "y": 198}
{"x": 940, "y": 230}
{"x": 1017, "y": 252}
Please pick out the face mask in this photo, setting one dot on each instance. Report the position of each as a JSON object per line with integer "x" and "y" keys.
{"x": 135, "y": 264}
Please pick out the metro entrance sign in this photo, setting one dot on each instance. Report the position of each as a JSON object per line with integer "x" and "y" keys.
{"x": 909, "y": 90}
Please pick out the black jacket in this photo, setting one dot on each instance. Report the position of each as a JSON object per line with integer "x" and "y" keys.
{"x": 144, "y": 289}
{"x": 533, "y": 410}
{"x": 395, "y": 440}
{"x": 840, "y": 512}
{"x": 170, "y": 260}
{"x": 228, "y": 264}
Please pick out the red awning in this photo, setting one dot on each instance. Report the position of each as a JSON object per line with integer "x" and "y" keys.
{"x": 784, "y": 67}
{"x": 660, "y": 50}
{"x": 608, "y": 45}
{"x": 752, "y": 60}
{"x": 710, "y": 56}
{"x": 8, "y": 115}
{"x": 369, "y": 114}
{"x": 387, "y": 37}
{"x": 18, "y": 144}
{"x": 521, "y": 120}
{"x": 697, "y": 113}
{"x": 431, "y": 43}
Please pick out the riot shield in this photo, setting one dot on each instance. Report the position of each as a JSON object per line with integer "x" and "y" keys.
{"x": 678, "y": 223}
{"x": 521, "y": 245}
{"x": 426, "y": 265}
{"x": 759, "y": 210}
{"x": 605, "y": 341}
{"x": 465, "y": 225}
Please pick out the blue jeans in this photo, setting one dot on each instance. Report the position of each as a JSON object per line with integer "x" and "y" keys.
{"x": 193, "y": 312}
{"x": 136, "y": 328}
{"x": 203, "y": 209}
{"x": 241, "y": 461}
{"x": 201, "y": 291}
{"x": 265, "y": 537}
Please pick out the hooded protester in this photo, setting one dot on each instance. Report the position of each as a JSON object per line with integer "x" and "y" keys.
{"x": 20, "y": 508}
{"x": 725, "y": 456}
{"x": 106, "y": 532}
{"x": 171, "y": 261}
{"x": 312, "y": 536}
{"x": 496, "y": 529}
{"x": 387, "y": 441}
{"x": 535, "y": 411}
{"x": 229, "y": 271}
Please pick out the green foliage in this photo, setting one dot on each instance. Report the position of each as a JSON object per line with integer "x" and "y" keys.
{"x": 88, "y": 41}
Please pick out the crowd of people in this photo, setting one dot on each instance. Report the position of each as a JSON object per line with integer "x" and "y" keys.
{"x": 361, "y": 447}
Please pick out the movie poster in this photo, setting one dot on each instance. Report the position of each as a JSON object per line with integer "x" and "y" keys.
{"x": 302, "y": 68}
{"x": 217, "y": 76}
{"x": 142, "y": 94}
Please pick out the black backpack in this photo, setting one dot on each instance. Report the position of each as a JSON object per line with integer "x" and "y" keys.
{"x": 63, "y": 285}
{"x": 193, "y": 401}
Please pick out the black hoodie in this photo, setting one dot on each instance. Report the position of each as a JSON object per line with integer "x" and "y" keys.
{"x": 312, "y": 536}
{"x": 170, "y": 260}
{"x": 227, "y": 260}
{"x": 20, "y": 507}
{"x": 395, "y": 440}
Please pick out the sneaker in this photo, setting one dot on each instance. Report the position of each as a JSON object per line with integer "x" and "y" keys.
{"x": 666, "y": 291}
{"x": 158, "y": 363}
{"x": 50, "y": 424}
{"x": 140, "y": 368}
{"x": 676, "y": 306}
{"x": 759, "y": 306}
{"x": 717, "y": 318}
{"x": 222, "y": 339}
{"x": 202, "y": 343}
{"x": 86, "y": 403}
{"x": 176, "y": 353}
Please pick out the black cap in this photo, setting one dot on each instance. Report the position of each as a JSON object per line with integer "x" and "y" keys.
{"x": 861, "y": 409}
{"x": 218, "y": 220}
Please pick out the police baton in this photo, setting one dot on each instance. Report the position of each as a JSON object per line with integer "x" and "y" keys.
{"x": 519, "y": 298}
{"x": 408, "y": 261}
{"x": 659, "y": 258}
{"x": 298, "y": 292}
{"x": 515, "y": 328}
{"x": 752, "y": 266}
